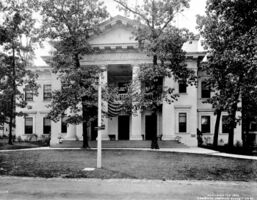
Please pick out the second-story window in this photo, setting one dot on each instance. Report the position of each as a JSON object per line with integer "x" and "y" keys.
{"x": 182, "y": 87}
{"x": 28, "y": 94}
{"x": 225, "y": 124}
{"x": 63, "y": 126}
{"x": 123, "y": 87}
{"x": 206, "y": 90}
{"x": 47, "y": 92}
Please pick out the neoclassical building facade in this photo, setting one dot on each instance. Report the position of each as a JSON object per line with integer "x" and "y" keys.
{"x": 117, "y": 52}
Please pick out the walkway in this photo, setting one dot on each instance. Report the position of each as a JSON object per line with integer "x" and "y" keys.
{"x": 112, "y": 189}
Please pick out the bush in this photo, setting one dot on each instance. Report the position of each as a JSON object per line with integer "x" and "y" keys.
{"x": 238, "y": 144}
{"x": 46, "y": 140}
{"x": 19, "y": 139}
{"x": 32, "y": 137}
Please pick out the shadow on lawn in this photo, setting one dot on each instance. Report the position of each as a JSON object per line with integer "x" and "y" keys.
{"x": 249, "y": 151}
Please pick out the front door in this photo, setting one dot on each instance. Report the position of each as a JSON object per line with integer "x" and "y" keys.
{"x": 150, "y": 126}
{"x": 93, "y": 130}
{"x": 123, "y": 127}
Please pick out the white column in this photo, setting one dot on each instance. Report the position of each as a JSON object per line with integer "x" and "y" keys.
{"x": 39, "y": 123}
{"x": 79, "y": 127}
{"x": 105, "y": 120}
{"x": 168, "y": 115}
{"x": 136, "y": 129}
{"x": 71, "y": 132}
{"x": 55, "y": 132}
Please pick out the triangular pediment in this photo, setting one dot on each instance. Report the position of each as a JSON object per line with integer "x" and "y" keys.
{"x": 116, "y": 31}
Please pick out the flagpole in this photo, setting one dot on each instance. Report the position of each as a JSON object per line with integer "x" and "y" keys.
{"x": 99, "y": 135}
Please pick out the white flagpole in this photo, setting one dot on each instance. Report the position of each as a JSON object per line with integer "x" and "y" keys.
{"x": 99, "y": 134}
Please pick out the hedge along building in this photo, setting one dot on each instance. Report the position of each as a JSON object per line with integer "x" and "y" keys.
{"x": 117, "y": 52}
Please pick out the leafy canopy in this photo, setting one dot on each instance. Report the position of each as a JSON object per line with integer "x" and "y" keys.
{"x": 69, "y": 24}
{"x": 163, "y": 42}
{"x": 17, "y": 36}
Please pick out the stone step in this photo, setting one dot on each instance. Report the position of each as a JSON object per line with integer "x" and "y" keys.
{"x": 121, "y": 144}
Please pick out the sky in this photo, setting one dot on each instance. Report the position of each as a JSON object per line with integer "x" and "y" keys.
{"x": 186, "y": 19}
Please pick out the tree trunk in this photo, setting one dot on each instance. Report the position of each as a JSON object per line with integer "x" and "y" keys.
{"x": 245, "y": 136}
{"x": 155, "y": 59}
{"x": 154, "y": 139}
{"x": 245, "y": 122}
{"x": 12, "y": 106}
{"x": 10, "y": 131}
{"x": 85, "y": 134}
{"x": 216, "y": 130}
{"x": 232, "y": 126}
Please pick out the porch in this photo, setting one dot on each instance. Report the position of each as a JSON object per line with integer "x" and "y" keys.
{"x": 120, "y": 144}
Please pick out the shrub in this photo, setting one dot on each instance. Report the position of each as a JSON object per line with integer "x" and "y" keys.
{"x": 19, "y": 139}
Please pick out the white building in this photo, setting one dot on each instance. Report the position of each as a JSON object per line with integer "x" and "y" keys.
{"x": 119, "y": 55}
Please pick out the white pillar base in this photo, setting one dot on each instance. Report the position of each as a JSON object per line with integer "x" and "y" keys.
{"x": 71, "y": 132}
{"x": 168, "y": 137}
{"x": 136, "y": 137}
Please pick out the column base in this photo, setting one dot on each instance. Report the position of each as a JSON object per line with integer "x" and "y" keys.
{"x": 104, "y": 138}
{"x": 136, "y": 137}
{"x": 168, "y": 137}
{"x": 70, "y": 138}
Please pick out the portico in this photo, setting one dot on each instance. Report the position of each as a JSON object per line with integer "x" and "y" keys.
{"x": 116, "y": 51}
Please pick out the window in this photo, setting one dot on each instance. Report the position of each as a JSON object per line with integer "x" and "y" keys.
{"x": 182, "y": 87}
{"x": 28, "y": 94}
{"x": 63, "y": 126}
{"x": 225, "y": 124}
{"x": 28, "y": 125}
{"x": 47, "y": 92}
{"x": 206, "y": 124}
{"x": 123, "y": 87}
{"x": 47, "y": 126}
{"x": 182, "y": 127}
{"x": 206, "y": 90}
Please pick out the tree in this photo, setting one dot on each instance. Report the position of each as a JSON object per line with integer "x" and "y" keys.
{"x": 163, "y": 42}
{"x": 229, "y": 30}
{"x": 17, "y": 37}
{"x": 69, "y": 24}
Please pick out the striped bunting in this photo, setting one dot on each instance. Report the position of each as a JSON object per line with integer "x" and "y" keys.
{"x": 114, "y": 108}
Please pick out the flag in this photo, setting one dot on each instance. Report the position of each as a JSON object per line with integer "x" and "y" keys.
{"x": 114, "y": 108}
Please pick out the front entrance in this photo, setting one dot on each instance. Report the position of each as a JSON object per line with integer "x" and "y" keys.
{"x": 123, "y": 127}
{"x": 93, "y": 130}
{"x": 150, "y": 127}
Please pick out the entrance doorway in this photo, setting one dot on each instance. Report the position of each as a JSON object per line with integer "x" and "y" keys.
{"x": 150, "y": 127}
{"x": 93, "y": 130}
{"x": 123, "y": 127}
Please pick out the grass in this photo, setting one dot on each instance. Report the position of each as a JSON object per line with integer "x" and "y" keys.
{"x": 233, "y": 150}
{"x": 126, "y": 164}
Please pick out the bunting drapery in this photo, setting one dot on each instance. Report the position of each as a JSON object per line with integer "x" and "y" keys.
{"x": 114, "y": 108}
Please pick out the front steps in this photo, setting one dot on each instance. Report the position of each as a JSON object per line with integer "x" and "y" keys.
{"x": 121, "y": 144}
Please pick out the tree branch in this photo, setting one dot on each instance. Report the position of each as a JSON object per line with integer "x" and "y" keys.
{"x": 133, "y": 11}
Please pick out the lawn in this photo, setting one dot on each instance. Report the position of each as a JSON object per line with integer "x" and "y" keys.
{"x": 126, "y": 164}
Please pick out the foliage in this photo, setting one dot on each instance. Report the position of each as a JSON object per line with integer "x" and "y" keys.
{"x": 17, "y": 36}
{"x": 229, "y": 30}
{"x": 163, "y": 42}
{"x": 69, "y": 24}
